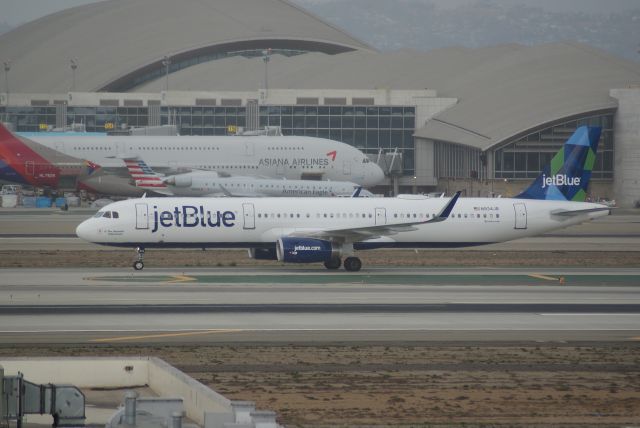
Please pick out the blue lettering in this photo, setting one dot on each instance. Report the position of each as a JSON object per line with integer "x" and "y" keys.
{"x": 165, "y": 218}
{"x": 227, "y": 218}
{"x": 192, "y": 217}
{"x": 155, "y": 219}
{"x": 186, "y": 214}
{"x": 177, "y": 216}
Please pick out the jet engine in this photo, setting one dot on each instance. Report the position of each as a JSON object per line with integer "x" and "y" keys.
{"x": 182, "y": 180}
{"x": 306, "y": 250}
{"x": 263, "y": 253}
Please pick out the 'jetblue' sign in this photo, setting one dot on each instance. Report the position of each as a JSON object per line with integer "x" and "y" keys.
{"x": 191, "y": 216}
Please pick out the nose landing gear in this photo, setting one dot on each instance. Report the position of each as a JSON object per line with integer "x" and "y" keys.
{"x": 139, "y": 264}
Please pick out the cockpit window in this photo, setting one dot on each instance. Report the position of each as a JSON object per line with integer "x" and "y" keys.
{"x": 115, "y": 214}
{"x": 107, "y": 214}
{"x": 98, "y": 214}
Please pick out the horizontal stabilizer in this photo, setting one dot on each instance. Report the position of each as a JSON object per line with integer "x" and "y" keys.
{"x": 568, "y": 213}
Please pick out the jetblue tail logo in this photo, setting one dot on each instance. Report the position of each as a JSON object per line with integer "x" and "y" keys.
{"x": 566, "y": 178}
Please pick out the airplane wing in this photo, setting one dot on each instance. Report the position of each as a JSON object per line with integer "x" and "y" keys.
{"x": 370, "y": 232}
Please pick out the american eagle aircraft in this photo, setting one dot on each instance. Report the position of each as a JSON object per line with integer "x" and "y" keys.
{"x": 210, "y": 183}
{"x": 330, "y": 230}
{"x": 71, "y": 161}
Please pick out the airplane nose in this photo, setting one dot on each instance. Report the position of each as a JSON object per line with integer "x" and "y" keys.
{"x": 84, "y": 230}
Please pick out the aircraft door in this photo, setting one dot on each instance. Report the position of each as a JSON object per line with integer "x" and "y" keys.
{"x": 29, "y": 168}
{"x": 346, "y": 167}
{"x": 521, "y": 215}
{"x": 381, "y": 216}
{"x": 249, "y": 216}
{"x": 142, "y": 216}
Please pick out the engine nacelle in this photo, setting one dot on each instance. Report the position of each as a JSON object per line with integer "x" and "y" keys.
{"x": 263, "y": 253}
{"x": 305, "y": 250}
{"x": 182, "y": 180}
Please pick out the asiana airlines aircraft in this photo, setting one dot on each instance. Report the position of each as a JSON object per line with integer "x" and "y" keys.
{"x": 94, "y": 163}
{"x": 331, "y": 230}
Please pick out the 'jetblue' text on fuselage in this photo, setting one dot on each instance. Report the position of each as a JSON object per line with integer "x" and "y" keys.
{"x": 191, "y": 216}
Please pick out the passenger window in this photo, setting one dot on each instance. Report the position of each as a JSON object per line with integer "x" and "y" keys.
{"x": 497, "y": 215}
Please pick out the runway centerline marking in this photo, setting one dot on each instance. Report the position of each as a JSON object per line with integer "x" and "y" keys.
{"x": 155, "y": 336}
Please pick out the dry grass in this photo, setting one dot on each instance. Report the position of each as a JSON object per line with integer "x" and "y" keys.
{"x": 412, "y": 385}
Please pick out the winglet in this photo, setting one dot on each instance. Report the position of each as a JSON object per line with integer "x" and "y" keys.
{"x": 356, "y": 192}
{"x": 446, "y": 211}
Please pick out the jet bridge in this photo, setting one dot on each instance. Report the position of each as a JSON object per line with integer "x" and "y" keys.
{"x": 19, "y": 397}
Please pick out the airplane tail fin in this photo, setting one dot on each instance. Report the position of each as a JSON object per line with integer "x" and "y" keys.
{"x": 22, "y": 161}
{"x": 566, "y": 178}
{"x": 145, "y": 177}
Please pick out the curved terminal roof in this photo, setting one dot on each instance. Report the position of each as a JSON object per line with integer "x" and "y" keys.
{"x": 115, "y": 41}
{"x": 503, "y": 91}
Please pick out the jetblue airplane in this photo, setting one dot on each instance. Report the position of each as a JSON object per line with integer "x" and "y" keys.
{"x": 94, "y": 163}
{"x": 210, "y": 183}
{"x": 308, "y": 230}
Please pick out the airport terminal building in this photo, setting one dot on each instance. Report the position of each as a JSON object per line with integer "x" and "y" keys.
{"x": 483, "y": 120}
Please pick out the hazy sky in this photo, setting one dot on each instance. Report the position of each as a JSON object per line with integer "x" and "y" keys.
{"x": 15, "y": 12}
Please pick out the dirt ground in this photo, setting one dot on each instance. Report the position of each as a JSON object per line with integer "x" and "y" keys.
{"x": 340, "y": 385}
{"x": 214, "y": 258}
{"x": 395, "y": 384}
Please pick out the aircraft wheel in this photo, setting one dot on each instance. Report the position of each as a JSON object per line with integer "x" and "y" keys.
{"x": 138, "y": 265}
{"x": 352, "y": 264}
{"x": 333, "y": 263}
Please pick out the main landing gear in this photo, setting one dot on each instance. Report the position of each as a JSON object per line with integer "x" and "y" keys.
{"x": 139, "y": 264}
{"x": 351, "y": 264}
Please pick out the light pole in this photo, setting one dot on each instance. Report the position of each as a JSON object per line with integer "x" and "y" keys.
{"x": 266, "y": 57}
{"x": 166, "y": 62}
{"x": 7, "y": 67}
{"x": 74, "y": 67}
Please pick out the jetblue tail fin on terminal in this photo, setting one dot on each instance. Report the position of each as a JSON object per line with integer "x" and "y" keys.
{"x": 566, "y": 178}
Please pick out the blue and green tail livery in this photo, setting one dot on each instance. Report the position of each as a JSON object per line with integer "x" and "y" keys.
{"x": 567, "y": 177}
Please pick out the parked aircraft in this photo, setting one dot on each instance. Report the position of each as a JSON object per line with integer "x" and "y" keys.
{"x": 307, "y": 230}
{"x": 209, "y": 183}
{"x": 54, "y": 161}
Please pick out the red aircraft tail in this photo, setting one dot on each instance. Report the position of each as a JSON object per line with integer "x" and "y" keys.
{"x": 21, "y": 164}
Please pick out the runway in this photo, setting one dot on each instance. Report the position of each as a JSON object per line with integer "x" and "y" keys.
{"x": 304, "y": 305}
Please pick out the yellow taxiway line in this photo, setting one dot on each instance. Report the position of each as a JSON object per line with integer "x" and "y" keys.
{"x": 161, "y": 335}
{"x": 547, "y": 278}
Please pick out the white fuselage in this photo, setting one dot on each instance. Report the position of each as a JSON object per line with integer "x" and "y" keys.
{"x": 253, "y": 222}
{"x": 202, "y": 183}
{"x": 290, "y": 157}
